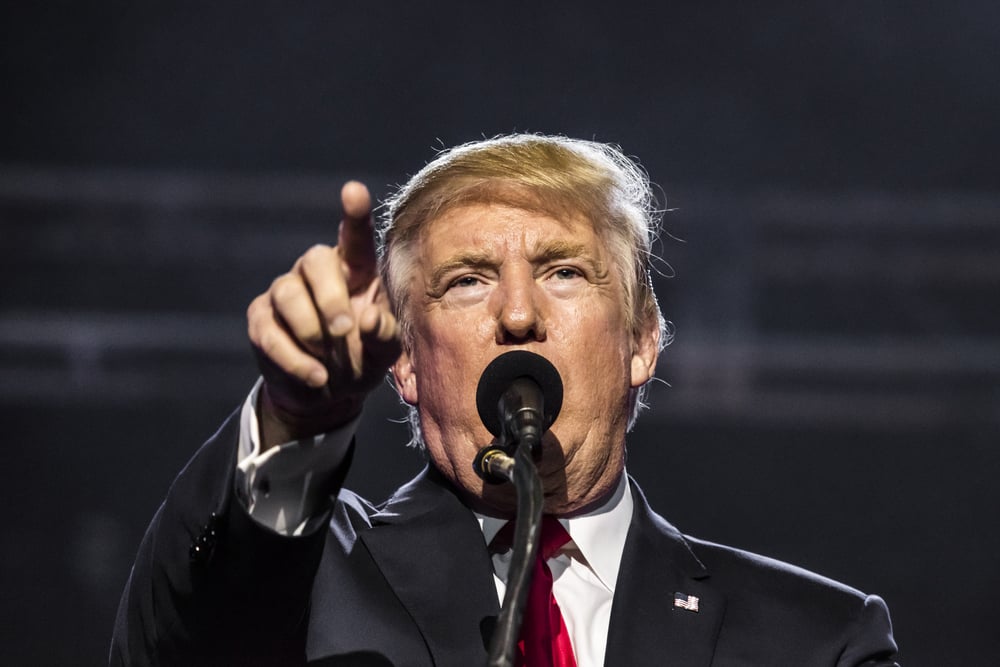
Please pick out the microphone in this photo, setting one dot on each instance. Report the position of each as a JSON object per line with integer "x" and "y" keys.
{"x": 519, "y": 396}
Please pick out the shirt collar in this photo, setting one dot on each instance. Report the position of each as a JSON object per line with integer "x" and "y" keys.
{"x": 599, "y": 534}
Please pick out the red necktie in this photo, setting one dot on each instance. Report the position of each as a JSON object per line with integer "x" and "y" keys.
{"x": 544, "y": 639}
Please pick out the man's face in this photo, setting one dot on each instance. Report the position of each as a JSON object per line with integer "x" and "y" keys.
{"x": 490, "y": 279}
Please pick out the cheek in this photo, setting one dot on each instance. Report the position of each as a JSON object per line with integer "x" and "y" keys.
{"x": 596, "y": 336}
{"x": 602, "y": 365}
{"x": 447, "y": 388}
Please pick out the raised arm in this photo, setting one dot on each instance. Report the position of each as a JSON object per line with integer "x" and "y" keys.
{"x": 210, "y": 585}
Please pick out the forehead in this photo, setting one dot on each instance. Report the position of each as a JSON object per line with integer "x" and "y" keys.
{"x": 490, "y": 226}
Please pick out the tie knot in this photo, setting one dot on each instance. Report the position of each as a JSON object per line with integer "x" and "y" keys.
{"x": 554, "y": 536}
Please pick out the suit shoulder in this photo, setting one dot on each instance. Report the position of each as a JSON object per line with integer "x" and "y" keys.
{"x": 814, "y": 611}
{"x": 760, "y": 586}
{"x": 757, "y": 573}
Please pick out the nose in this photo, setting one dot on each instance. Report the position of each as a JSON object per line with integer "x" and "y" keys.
{"x": 519, "y": 316}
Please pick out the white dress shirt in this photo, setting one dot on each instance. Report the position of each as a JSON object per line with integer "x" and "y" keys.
{"x": 279, "y": 490}
{"x": 584, "y": 571}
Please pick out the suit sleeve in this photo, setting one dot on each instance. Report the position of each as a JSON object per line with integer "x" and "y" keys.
{"x": 211, "y": 586}
{"x": 870, "y": 642}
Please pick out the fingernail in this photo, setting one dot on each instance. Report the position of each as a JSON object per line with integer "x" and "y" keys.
{"x": 341, "y": 325}
{"x": 316, "y": 378}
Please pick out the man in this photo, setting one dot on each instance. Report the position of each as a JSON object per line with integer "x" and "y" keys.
{"x": 517, "y": 243}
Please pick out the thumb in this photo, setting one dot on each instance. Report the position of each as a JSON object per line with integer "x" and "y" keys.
{"x": 380, "y": 335}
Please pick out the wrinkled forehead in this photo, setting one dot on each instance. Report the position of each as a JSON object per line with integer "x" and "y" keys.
{"x": 474, "y": 228}
{"x": 567, "y": 208}
{"x": 490, "y": 234}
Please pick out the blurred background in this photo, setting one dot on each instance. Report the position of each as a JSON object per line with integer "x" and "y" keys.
{"x": 831, "y": 262}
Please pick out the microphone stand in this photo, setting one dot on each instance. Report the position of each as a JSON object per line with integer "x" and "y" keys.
{"x": 521, "y": 472}
{"x": 525, "y": 390}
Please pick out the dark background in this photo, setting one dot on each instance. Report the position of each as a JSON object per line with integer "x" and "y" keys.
{"x": 833, "y": 394}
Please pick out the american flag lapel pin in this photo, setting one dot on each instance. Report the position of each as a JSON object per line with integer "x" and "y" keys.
{"x": 685, "y": 601}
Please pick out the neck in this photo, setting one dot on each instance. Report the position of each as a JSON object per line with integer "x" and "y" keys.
{"x": 500, "y": 500}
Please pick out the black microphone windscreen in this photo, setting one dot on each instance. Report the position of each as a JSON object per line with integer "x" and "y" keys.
{"x": 504, "y": 370}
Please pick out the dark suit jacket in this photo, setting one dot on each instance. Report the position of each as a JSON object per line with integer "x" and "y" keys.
{"x": 410, "y": 583}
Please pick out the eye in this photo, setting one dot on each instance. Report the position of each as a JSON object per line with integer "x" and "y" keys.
{"x": 464, "y": 281}
{"x": 566, "y": 273}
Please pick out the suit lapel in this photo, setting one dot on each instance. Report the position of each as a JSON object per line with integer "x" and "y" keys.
{"x": 430, "y": 549}
{"x": 646, "y": 628}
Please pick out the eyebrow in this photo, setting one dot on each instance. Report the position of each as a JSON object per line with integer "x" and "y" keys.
{"x": 464, "y": 260}
{"x": 554, "y": 250}
{"x": 541, "y": 253}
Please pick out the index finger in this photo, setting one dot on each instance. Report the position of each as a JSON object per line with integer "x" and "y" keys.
{"x": 356, "y": 238}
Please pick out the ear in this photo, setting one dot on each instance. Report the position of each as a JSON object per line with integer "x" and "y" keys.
{"x": 645, "y": 352}
{"x": 404, "y": 375}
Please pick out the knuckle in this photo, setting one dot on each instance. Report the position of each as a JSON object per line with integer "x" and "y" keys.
{"x": 267, "y": 343}
{"x": 257, "y": 307}
{"x": 284, "y": 287}
{"x": 316, "y": 254}
{"x": 257, "y": 315}
{"x": 252, "y": 311}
